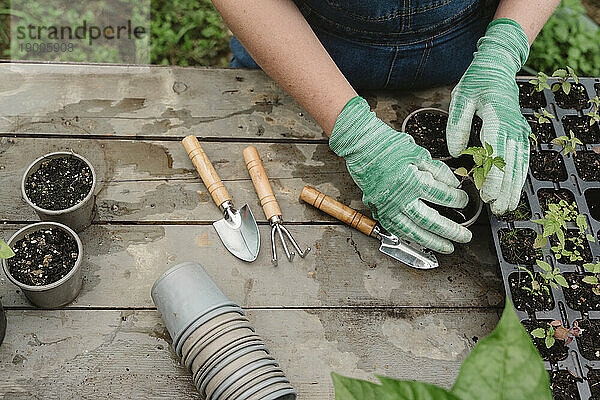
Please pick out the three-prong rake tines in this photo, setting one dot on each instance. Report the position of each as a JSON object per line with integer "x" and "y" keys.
{"x": 270, "y": 206}
{"x": 278, "y": 228}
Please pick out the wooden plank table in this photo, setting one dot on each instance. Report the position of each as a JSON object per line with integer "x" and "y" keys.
{"x": 344, "y": 308}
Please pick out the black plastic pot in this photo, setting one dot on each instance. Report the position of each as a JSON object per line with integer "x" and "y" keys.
{"x": 559, "y": 309}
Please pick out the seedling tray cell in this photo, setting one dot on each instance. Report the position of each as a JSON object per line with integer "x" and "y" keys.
{"x": 574, "y": 183}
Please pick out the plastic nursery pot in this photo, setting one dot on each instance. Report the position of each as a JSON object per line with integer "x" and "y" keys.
{"x": 193, "y": 335}
{"x": 77, "y": 217}
{"x": 204, "y": 332}
{"x": 253, "y": 379}
{"x": 437, "y": 146}
{"x": 2, "y": 324}
{"x": 276, "y": 391}
{"x": 183, "y": 294}
{"x": 468, "y": 215}
{"x": 58, "y": 293}
{"x": 237, "y": 378}
{"x": 473, "y": 209}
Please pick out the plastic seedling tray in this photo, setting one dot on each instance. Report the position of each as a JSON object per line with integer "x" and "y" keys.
{"x": 579, "y": 361}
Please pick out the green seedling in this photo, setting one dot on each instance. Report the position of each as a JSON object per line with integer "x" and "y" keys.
{"x": 540, "y": 82}
{"x": 594, "y": 112}
{"x": 568, "y": 143}
{"x": 556, "y": 331}
{"x": 563, "y": 83}
{"x": 484, "y": 162}
{"x": 548, "y": 278}
{"x": 544, "y": 117}
{"x": 593, "y": 279}
{"x": 555, "y": 225}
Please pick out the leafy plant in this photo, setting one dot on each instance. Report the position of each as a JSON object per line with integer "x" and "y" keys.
{"x": 593, "y": 113}
{"x": 544, "y": 117}
{"x": 555, "y": 330}
{"x": 484, "y": 162}
{"x": 555, "y": 225}
{"x": 567, "y": 38}
{"x": 568, "y": 143}
{"x": 550, "y": 277}
{"x": 5, "y": 250}
{"x": 188, "y": 32}
{"x": 563, "y": 76}
{"x": 540, "y": 82}
{"x": 503, "y": 365}
{"x": 593, "y": 279}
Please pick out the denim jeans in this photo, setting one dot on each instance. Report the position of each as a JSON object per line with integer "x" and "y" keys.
{"x": 394, "y": 44}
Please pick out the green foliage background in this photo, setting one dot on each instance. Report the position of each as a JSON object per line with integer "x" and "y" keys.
{"x": 184, "y": 32}
{"x": 568, "y": 38}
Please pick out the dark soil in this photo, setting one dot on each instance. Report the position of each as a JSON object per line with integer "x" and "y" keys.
{"x": 544, "y": 132}
{"x": 597, "y": 87}
{"x": 525, "y": 300}
{"x": 586, "y": 253}
{"x": 563, "y": 385}
{"x": 547, "y": 166}
{"x": 577, "y": 97}
{"x": 592, "y": 197}
{"x": 521, "y": 213}
{"x": 587, "y": 164}
{"x": 589, "y": 340}
{"x": 553, "y": 196}
{"x": 582, "y": 129}
{"x": 579, "y": 295}
{"x": 557, "y": 352}
{"x": 594, "y": 382}
{"x": 59, "y": 183}
{"x": 43, "y": 257}
{"x": 428, "y": 128}
{"x": 529, "y": 98}
{"x": 517, "y": 246}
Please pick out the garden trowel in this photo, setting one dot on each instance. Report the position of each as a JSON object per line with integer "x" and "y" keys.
{"x": 411, "y": 254}
{"x": 237, "y": 230}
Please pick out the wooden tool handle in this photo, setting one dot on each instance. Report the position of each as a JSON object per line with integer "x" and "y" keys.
{"x": 206, "y": 170}
{"x": 261, "y": 182}
{"x": 337, "y": 210}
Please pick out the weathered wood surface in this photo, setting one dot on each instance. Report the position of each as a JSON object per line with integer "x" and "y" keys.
{"x": 170, "y": 102}
{"x": 345, "y": 308}
{"x": 156, "y": 181}
{"x": 126, "y": 354}
{"x": 344, "y": 269}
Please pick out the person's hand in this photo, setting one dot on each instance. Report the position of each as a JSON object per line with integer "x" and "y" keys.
{"x": 489, "y": 89}
{"x": 394, "y": 175}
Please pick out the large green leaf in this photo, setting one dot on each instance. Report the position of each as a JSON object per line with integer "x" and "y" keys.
{"x": 5, "y": 251}
{"x": 504, "y": 365}
{"x": 390, "y": 389}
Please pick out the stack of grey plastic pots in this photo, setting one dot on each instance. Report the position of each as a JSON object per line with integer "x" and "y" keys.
{"x": 215, "y": 340}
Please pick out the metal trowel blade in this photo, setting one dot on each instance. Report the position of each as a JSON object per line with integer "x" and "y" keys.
{"x": 410, "y": 254}
{"x": 239, "y": 233}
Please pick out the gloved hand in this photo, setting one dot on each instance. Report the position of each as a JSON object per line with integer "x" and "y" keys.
{"x": 394, "y": 175}
{"x": 488, "y": 88}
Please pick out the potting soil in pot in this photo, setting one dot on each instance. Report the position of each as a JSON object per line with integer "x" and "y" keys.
{"x": 43, "y": 257}
{"x": 59, "y": 183}
{"x": 428, "y": 128}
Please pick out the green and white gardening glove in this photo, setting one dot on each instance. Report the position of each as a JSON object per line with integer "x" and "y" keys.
{"x": 488, "y": 88}
{"x": 394, "y": 175}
